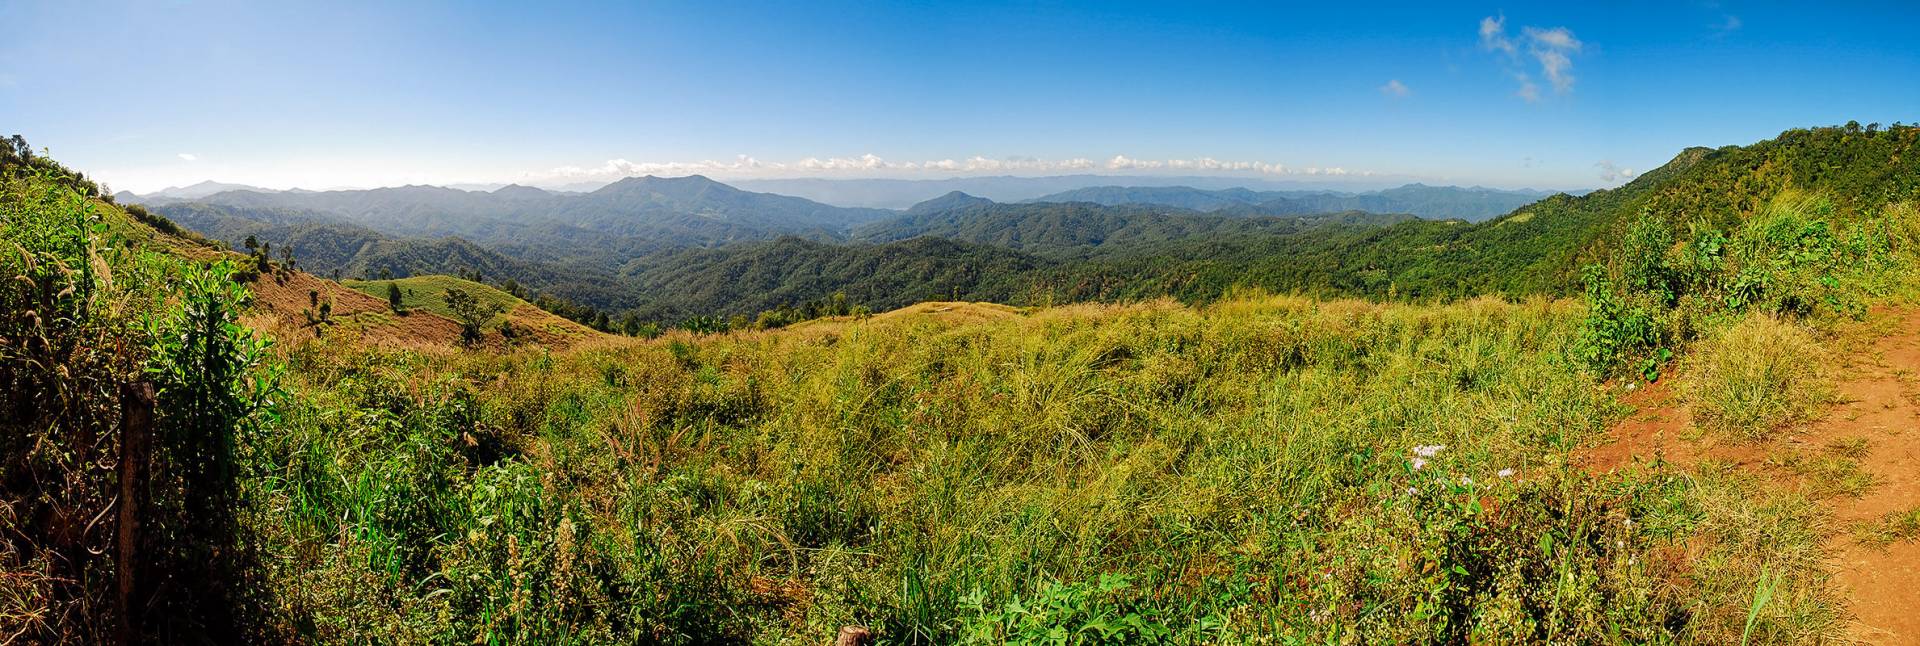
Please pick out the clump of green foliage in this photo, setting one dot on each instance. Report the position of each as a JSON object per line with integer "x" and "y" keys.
{"x": 1797, "y": 258}
{"x": 470, "y": 313}
{"x": 88, "y": 322}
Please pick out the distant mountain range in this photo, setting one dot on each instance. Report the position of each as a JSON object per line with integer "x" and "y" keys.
{"x": 669, "y": 248}
{"x": 901, "y": 193}
{"x": 642, "y": 211}
{"x": 1432, "y": 202}
{"x": 1197, "y": 193}
{"x": 617, "y": 246}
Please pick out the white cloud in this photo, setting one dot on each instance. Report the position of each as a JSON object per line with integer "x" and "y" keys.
{"x": 625, "y": 168}
{"x": 1551, "y": 48}
{"x": 1493, "y": 35}
{"x": 1730, "y": 25}
{"x": 1528, "y": 91}
{"x": 1123, "y": 162}
{"x": 1557, "y": 37}
{"x": 1612, "y": 173}
{"x": 189, "y": 157}
{"x": 1394, "y": 88}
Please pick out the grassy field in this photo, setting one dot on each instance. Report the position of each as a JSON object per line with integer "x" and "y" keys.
{"x": 427, "y": 293}
{"x": 1262, "y": 469}
{"x": 1266, "y": 466}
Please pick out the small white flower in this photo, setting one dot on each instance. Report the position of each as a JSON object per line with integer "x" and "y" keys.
{"x": 1412, "y": 491}
{"x": 1418, "y": 463}
{"x": 1631, "y": 386}
{"x": 1466, "y": 481}
{"x": 1505, "y": 473}
{"x": 1429, "y": 450}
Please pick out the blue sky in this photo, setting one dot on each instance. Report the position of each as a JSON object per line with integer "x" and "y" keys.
{"x": 150, "y": 94}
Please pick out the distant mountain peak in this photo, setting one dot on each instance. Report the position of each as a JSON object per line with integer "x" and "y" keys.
{"x": 202, "y": 189}
{"x": 671, "y": 185}
{"x": 950, "y": 201}
{"x": 520, "y": 190}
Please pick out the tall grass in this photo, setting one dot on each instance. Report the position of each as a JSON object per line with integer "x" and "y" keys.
{"x": 1150, "y": 472}
{"x": 1756, "y": 376}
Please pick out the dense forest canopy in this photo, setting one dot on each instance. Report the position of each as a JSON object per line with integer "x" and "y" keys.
{"x": 1431, "y": 202}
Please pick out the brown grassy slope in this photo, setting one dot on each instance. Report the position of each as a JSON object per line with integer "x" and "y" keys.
{"x": 283, "y": 299}
{"x": 362, "y": 318}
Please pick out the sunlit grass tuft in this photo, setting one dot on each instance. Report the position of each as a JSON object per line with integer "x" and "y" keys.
{"x": 1756, "y": 376}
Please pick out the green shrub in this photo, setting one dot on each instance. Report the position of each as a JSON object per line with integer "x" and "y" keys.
{"x": 88, "y": 320}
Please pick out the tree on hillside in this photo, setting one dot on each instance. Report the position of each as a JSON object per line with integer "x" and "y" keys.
{"x": 393, "y": 296}
{"x": 470, "y": 313}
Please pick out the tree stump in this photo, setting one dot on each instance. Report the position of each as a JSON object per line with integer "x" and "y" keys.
{"x": 853, "y": 636}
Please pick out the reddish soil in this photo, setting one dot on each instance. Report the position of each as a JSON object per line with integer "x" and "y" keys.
{"x": 362, "y": 318}
{"x": 1877, "y": 379}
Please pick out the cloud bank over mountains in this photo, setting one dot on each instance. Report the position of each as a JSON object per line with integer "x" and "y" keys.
{"x": 870, "y": 164}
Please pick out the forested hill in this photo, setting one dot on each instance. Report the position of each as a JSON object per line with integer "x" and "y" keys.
{"x": 754, "y": 277}
{"x": 1087, "y": 252}
{"x": 1430, "y": 202}
{"x": 1539, "y": 248}
{"x": 1075, "y": 227}
{"x": 959, "y": 246}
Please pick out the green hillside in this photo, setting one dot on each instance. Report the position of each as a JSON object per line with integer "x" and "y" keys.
{"x": 428, "y": 293}
{"x": 1087, "y": 253}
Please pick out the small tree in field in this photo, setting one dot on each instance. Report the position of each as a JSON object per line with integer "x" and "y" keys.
{"x": 393, "y": 296}
{"x": 470, "y": 313}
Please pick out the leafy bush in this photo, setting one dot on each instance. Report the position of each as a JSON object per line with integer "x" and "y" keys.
{"x": 88, "y": 321}
{"x": 66, "y": 350}
{"x": 1106, "y": 611}
{"x": 1795, "y": 258}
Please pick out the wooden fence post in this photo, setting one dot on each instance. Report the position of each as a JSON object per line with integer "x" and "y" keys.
{"x": 136, "y": 427}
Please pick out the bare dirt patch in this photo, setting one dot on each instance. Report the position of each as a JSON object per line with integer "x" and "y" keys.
{"x": 1875, "y": 424}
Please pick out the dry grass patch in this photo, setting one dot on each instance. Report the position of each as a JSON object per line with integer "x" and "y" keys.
{"x": 1757, "y": 376}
